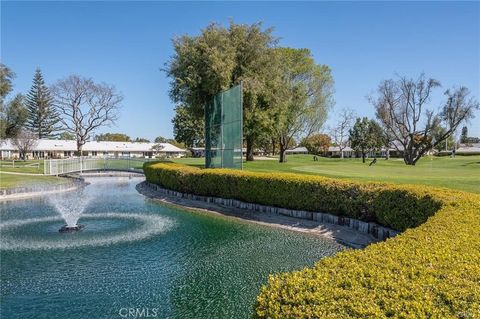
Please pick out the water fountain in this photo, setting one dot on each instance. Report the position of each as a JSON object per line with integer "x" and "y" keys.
{"x": 70, "y": 206}
{"x": 91, "y": 212}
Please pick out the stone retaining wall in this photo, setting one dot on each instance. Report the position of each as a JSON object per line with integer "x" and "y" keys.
{"x": 373, "y": 229}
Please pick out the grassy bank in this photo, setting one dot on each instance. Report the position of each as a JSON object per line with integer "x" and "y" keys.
{"x": 462, "y": 172}
{"x": 17, "y": 166}
{"x": 11, "y": 180}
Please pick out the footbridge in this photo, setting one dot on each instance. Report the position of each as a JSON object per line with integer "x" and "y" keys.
{"x": 83, "y": 164}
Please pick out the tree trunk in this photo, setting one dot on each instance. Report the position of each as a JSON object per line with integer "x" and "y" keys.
{"x": 79, "y": 147}
{"x": 282, "y": 144}
{"x": 363, "y": 157}
{"x": 410, "y": 159}
{"x": 387, "y": 154}
{"x": 249, "y": 148}
{"x": 283, "y": 156}
{"x": 341, "y": 153}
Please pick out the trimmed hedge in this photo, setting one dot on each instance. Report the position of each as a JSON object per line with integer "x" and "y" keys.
{"x": 431, "y": 271}
{"x": 397, "y": 207}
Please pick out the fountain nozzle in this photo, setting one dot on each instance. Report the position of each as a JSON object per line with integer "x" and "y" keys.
{"x": 71, "y": 229}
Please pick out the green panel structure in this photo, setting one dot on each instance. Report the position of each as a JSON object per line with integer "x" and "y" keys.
{"x": 224, "y": 130}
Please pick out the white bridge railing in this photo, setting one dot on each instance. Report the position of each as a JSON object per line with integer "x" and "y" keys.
{"x": 81, "y": 164}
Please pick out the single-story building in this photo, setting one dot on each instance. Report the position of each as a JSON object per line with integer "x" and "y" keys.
{"x": 334, "y": 151}
{"x": 297, "y": 150}
{"x": 200, "y": 151}
{"x": 66, "y": 148}
{"x": 468, "y": 149}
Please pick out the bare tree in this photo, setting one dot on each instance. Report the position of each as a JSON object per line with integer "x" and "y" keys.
{"x": 84, "y": 106}
{"x": 25, "y": 141}
{"x": 401, "y": 106}
{"x": 341, "y": 131}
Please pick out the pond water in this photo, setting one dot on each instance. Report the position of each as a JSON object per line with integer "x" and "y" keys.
{"x": 137, "y": 258}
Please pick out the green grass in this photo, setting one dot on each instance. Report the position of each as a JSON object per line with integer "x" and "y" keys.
{"x": 36, "y": 167}
{"x": 462, "y": 172}
{"x": 29, "y": 166}
{"x": 10, "y": 180}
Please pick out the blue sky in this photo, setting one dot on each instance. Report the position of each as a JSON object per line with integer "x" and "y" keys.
{"x": 126, "y": 44}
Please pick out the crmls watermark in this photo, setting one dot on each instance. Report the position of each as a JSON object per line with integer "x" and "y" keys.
{"x": 143, "y": 312}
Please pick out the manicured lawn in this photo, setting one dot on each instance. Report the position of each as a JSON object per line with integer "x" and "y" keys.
{"x": 36, "y": 166}
{"x": 10, "y": 180}
{"x": 29, "y": 166}
{"x": 462, "y": 172}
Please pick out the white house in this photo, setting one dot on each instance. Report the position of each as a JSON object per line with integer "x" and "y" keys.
{"x": 297, "y": 150}
{"x": 66, "y": 148}
{"x": 468, "y": 149}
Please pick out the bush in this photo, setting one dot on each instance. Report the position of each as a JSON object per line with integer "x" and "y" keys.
{"x": 398, "y": 207}
{"x": 431, "y": 271}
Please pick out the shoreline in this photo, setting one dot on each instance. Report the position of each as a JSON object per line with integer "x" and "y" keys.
{"x": 74, "y": 182}
{"x": 341, "y": 234}
{"x": 16, "y": 193}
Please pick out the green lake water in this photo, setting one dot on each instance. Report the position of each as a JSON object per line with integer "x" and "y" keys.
{"x": 137, "y": 258}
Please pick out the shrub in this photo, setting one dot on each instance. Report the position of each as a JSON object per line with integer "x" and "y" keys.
{"x": 398, "y": 207}
{"x": 431, "y": 271}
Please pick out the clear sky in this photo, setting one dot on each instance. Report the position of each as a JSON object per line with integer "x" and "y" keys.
{"x": 126, "y": 44}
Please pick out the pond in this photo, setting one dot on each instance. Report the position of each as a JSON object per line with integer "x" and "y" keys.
{"x": 137, "y": 258}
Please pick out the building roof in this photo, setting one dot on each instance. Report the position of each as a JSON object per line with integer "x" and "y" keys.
{"x": 66, "y": 145}
{"x": 474, "y": 148}
{"x": 337, "y": 149}
{"x": 300, "y": 149}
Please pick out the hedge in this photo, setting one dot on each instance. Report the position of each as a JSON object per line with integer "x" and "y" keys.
{"x": 431, "y": 270}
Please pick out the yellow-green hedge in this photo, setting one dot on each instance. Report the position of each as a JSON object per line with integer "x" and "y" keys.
{"x": 431, "y": 271}
{"x": 398, "y": 207}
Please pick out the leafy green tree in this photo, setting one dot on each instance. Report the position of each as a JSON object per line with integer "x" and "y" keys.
{"x": 447, "y": 144}
{"x": 141, "y": 140}
{"x": 473, "y": 140}
{"x": 464, "y": 135}
{"x": 43, "y": 119}
{"x": 176, "y": 143}
{"x": 366, "y": 136}
{"x": 159, "y": 146}
{"x": 317, "y": 143}
{"x": 303, "y": 96}
{"x": 267, "y": 143}
{"x": 13, "y": 117}
{"x": 66, "y": 136}
{"x": 113, "y": 137}
{"x": 6, "y": 79}
{"x": 188, "y": 128}
{"x": 218, "y": 59}
{"x": 160, "y": 139}
{"x": 13, "y": 112}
